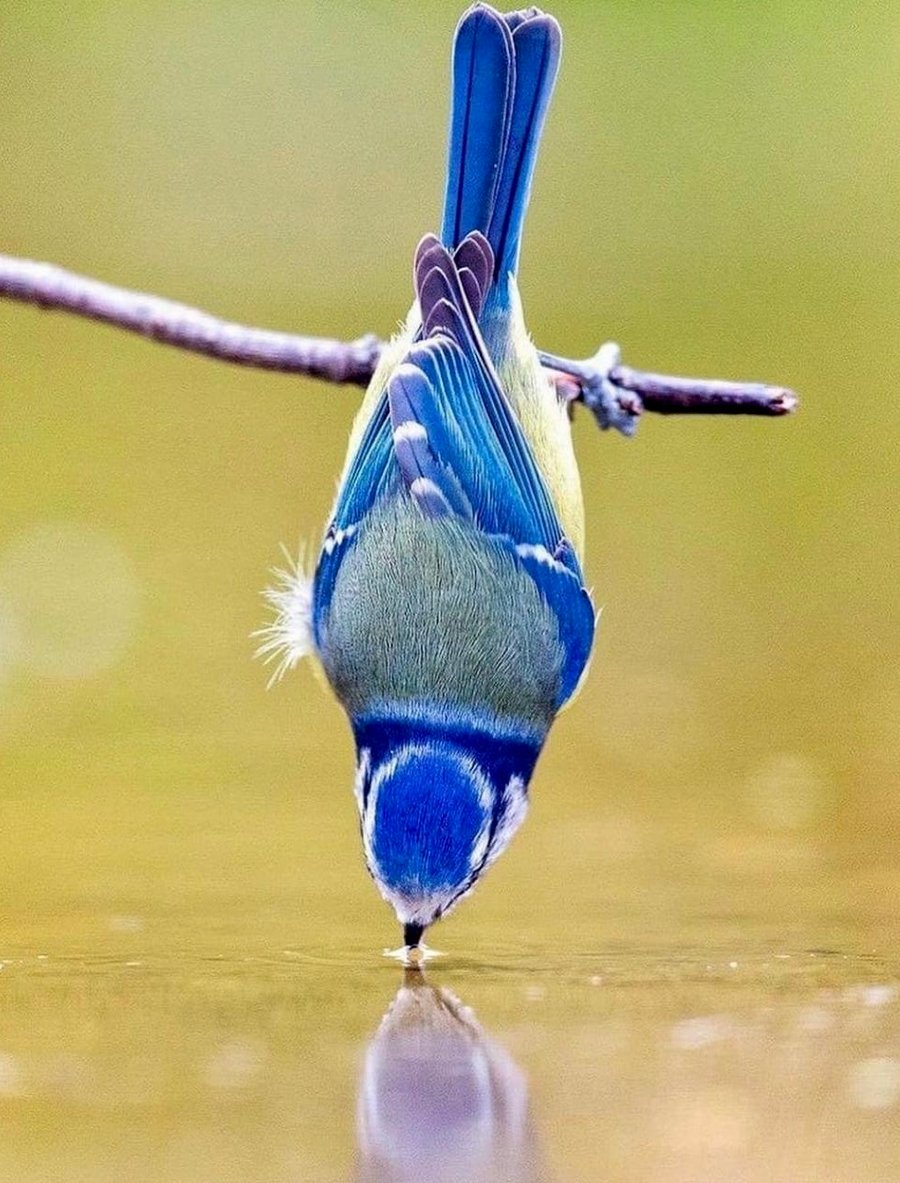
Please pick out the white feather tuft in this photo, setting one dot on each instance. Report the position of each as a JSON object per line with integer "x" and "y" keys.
{"x": 288, "y": 638}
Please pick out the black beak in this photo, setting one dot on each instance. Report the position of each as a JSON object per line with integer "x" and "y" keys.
{"x": 412, "y": 935}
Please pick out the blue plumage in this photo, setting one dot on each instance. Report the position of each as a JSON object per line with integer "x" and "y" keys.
{"x": 439, "y": 800}
{"x": 504, "y": 69}
{"x": 482, "y": 92}
{"x": 448, "y": 609}
{"x": 417, "y": 848}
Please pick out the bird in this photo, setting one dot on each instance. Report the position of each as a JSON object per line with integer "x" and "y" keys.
{"x": 448, "y": 609}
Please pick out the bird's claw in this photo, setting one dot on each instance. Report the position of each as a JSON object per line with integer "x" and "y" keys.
{"x": 610, "y": 405}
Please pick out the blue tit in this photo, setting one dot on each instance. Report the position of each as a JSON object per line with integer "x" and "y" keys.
{"x": 448, "y": 608}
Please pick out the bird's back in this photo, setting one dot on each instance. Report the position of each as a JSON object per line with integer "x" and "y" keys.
{"x": 432, "y": 610}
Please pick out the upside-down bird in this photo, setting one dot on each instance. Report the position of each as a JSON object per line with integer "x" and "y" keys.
{"x": 448, "y": 608}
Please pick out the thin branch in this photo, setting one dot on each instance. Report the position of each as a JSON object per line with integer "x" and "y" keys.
{"x": 704, "y": 396}
{"x": 616, "y": 394}
{"x": 50, "y": 287}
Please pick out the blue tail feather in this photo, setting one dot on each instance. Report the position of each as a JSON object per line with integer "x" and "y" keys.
{"x": 504, "y": 69}
{"x": 537, "y": 43}
{"x": 483, "y": 81}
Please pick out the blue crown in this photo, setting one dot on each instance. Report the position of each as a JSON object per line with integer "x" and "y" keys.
{"x": 439, "y": 799}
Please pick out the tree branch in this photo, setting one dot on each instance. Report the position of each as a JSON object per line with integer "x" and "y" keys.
{"x": 51, "y": 287}
{"x": 616, "y": 394}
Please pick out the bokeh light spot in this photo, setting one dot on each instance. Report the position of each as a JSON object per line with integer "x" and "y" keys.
{"x": 10, "y": 1076}
{"x": 702, "y": 1031}
{"x": 788, "y": 792}
{"x": 68, "y": 600}
{"x": 875, "y": 1083}
{"x": 235, "y": 1064}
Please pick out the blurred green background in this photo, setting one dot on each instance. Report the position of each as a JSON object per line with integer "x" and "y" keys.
{"x": 719, "y": 193}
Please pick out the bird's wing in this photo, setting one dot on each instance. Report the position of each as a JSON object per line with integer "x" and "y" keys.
{"x": 448, "y": 389}
{"x": 460, "y": 450}
{"x": 373, "y": 472}
{"x": 559, "y": 579}
{"x": 446, "y": 433}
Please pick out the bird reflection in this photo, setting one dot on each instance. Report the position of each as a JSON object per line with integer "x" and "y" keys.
{"x": 439, "y": 1101}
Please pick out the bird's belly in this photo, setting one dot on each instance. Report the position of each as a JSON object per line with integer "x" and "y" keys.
{"x": 434, "y": 610}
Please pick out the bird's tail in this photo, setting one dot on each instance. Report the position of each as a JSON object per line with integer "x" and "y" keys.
{"x": 504, "y": 69}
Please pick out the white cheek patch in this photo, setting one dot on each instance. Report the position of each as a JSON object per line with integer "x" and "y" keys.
{"x": 476, "y": 858}
{"x": 486, "y": 801}
{"x": 362, "y": 773}
{"x": 383, "y": 772}
{"x": 515, "y": 806}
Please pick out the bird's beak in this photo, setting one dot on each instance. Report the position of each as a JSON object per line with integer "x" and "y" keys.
{"x": 412, "y": 935}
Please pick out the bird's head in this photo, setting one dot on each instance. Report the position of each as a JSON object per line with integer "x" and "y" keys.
{"x": 436, "y": 808}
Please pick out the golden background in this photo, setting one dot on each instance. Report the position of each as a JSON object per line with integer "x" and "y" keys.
{"x": 719, "y": 192}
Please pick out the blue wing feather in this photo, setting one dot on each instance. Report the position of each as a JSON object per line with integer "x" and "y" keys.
{"x": 432, "y": 485}
{"x": 371, "y": 471}
{"x": 372, "y": 475}
{"x": 572, "y": 607}
{"x": 478, "y": 402}
{"x": 453, "y": 420}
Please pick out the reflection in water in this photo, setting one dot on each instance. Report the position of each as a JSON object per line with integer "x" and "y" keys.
{"x": 439, "y": 1101}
